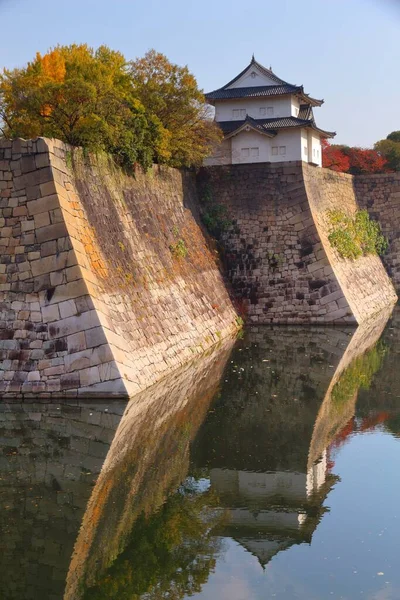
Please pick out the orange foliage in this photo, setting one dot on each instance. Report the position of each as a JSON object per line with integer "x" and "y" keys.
{"x": 53, "y": 65}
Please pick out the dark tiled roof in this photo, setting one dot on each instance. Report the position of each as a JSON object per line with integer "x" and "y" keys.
{"x": 229, "y": 127}
{"x": 281, "y": 87}
{"x": 253, "y": 92}
{"x": 270, "y": 126}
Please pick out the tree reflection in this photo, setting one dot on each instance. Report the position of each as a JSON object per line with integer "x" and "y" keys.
{"x": 172, "y": 552}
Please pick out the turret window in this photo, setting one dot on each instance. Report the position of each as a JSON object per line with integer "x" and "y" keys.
{"x": 270, "y": 111}
{"x": 263, "y": 111}
{"x": 239, "y": 113}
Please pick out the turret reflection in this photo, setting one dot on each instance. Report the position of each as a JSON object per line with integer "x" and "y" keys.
{"x": 259, "y": 470}
{"x": 239, "y": 445}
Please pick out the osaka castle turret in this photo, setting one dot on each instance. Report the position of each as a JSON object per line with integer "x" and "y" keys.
{"x": 265, "y": 119}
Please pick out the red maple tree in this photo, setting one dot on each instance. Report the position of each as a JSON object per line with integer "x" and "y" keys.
{"x": 363, "y": 160}
{"x": 333, "y": 158}
{"x": 356, "y": 161}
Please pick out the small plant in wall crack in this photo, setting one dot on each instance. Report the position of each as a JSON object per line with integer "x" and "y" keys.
{"x": 355, "y": 235}
{"x": 179, "y": 249}
{"x": 275, "y": 261}
{"x": 239, "y": 322}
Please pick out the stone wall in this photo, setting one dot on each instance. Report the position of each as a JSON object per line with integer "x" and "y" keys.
{"x": 364, "y": 282}
{"x": 277, "y": 253}
{"x": 380, "y": 195}
{"x": 95, "y": 297}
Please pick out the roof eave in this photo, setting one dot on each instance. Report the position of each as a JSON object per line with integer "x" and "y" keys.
{"x": 313, "y": 101}
{"x": 308, "y": 99}
{"x": 277, "y": 95}
{"x": 322, "y": 132}
{"x": 327, "y": 134}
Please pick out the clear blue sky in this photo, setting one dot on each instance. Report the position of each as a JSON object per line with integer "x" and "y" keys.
{"x": 345, "y": 51}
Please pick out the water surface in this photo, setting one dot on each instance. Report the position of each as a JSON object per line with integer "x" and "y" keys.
{"x": 270, "y": 470}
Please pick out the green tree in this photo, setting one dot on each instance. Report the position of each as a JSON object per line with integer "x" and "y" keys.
{"x": 390, "y": 149}
{"x": 171, "y": 93}
{"x": 394, "y": 136}
{"x": 83, "y": 97}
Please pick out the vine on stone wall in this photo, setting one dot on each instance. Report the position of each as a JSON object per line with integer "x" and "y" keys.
{"x": 214, "y": 215}
{"x": 355, "y": 235}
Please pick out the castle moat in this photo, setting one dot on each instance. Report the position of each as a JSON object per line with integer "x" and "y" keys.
{"x": 267, "y": 468}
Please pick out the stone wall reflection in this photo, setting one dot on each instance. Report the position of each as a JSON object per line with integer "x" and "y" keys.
{"x": 252, "y": 430}
{"x": 148, "y": 460}
{"x": 50, "y": 457}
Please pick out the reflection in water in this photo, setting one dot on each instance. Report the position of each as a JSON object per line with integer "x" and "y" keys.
{"x": 147, "y": 461}
{"x": 51, "y": 456}
{"x": 186, "y": 491}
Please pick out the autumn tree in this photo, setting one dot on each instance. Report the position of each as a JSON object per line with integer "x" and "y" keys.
{"x": 365, "y": 160}
{"x": 390, "y": 150}
{"x": 334, "y": 158}
{"x": 171, "y": 93}
{"x": 83, "y": 97}
{"x": 348, "y": 159}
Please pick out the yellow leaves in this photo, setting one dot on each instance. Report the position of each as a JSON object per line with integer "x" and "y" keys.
{"x": 152, "y": 111}
{"x": 164, "y": 145}
{"x": 52, "y": 65}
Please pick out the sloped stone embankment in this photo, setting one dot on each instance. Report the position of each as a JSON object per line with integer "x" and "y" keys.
{"x": 107, "y": 282}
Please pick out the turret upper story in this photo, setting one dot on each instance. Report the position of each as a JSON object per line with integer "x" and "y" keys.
{"x": 260, "y": 100}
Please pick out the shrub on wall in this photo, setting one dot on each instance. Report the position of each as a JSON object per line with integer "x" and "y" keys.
{"x": 179, "y": 249}
{"x": 355, "y": 235}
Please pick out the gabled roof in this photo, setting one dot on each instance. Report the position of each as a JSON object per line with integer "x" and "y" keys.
{"x": 268, "y": 72}
{"x": 234, "y": 127}
{"x": 269, "y": 127}
{"x": 280, "y": 87}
